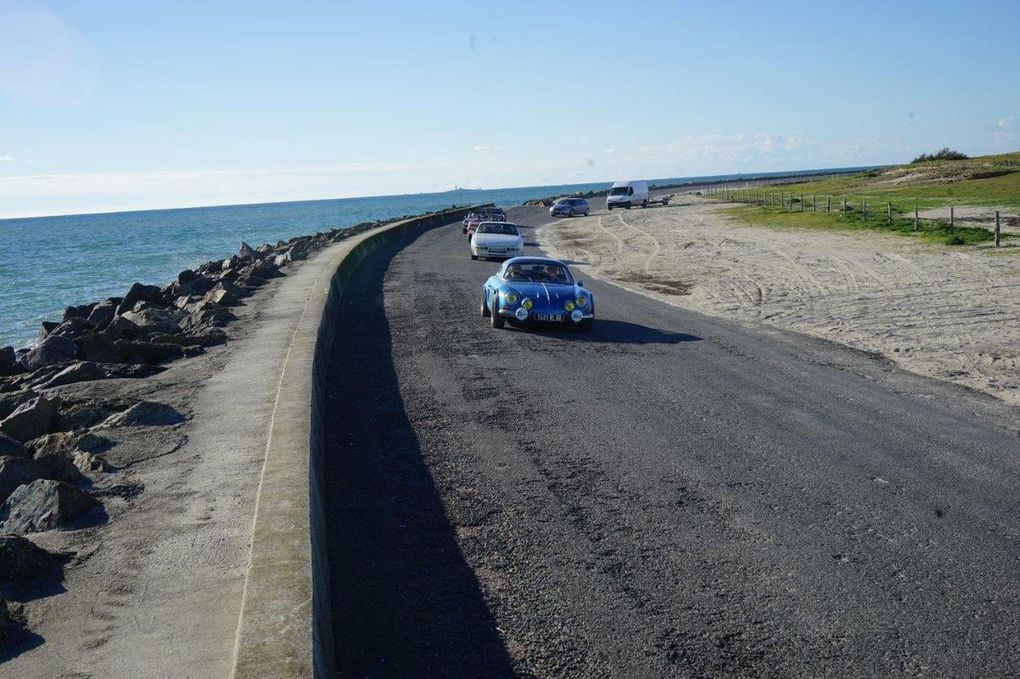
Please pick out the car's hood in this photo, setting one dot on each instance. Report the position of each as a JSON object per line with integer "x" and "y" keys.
{"x": 551, "y": 295}
{"x": 497, "y": 240}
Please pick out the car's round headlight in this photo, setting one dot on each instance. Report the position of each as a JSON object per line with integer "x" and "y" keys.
{"x": 510, "y": 297}
{"x": 527, "y": 303}
{"x": 569, "y": 306}
{"x": 581, "y": 301}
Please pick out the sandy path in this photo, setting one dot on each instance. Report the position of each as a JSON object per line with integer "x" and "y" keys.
{"x": 950, "y": 313}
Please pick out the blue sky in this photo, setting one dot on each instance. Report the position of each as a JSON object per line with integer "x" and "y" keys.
{"x": 108, "y": 105}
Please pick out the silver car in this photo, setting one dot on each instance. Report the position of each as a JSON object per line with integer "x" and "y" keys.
{"x": 569, "y": 207}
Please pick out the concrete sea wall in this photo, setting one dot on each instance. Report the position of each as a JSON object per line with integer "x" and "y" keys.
{"x": 285, "y": 629}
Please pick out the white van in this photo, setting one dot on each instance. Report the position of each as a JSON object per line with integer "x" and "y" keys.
{"x": 626, "y": 194}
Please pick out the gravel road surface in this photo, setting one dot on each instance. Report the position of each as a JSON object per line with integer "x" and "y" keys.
{"x": 670, "y": 495}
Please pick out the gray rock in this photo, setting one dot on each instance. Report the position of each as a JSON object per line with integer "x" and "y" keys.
{"x": 8, "y": 359}
{"x": 51, "y": 351}
{"x": 46, "y": 327}
{"x": 43, "y": 505}
{"x": 17, "y": 471}
{"x": 98, "y": 347}
{"x": 140, "y": 293}
{"x": 74, "y": 328}
{"x": 148, "y": 352}
{"x": 21, "y": 559}
{"x": 31, "y": 419}
{"x": 81, "y": 311}
{"x": 84, "y": 414}
{"x": 152, "y": 319}
{"x": 224, "y": 294}
{"x": 12, "y": 447}
{"x": 284, "y": 259}
{"x": 81, "y": 371}
{"x": 104, "y": 312}
{"x": 207, "y": 314}
{"x": 5, "y": 620}
{"x": 246, "y": 251}
{"x": 145, "y": 414}
{"x": 10, "y": 401}
{"x": 64, "y": 441}
{"x": 186, "y": 276}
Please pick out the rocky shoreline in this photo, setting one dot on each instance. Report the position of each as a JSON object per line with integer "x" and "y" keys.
{"x": 58, "y": 463}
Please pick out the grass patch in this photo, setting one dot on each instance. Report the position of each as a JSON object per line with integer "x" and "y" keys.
{"x": 986, "y": 180}
{"x": 933, "y": 232}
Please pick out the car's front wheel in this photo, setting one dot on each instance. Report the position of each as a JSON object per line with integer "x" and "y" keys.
{"x": 495, "y": 319}
{"x": 485, "y": 307}
{"x": 586, "y": 211}
{"x": 474, "y": 256}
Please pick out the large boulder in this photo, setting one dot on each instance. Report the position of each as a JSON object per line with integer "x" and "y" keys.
{"x": 85, "y": 414}
{"x": 104, "y": 312}
{"x": 80, "y": 371}
{"x": 43, "y": 505}
{"x": 5, "y": 620}
{"x": 224, "y": 294}
{"x": 152, "y": 319}
{"x": 246, "y": 251}
{"x": 31, "y": 419}
{"x": 51, "y": 351}
{"x": 206, "y": 314}
{"x": 140, "y": 293}
{"x": 145, "y": 414}
{"x": 98, "y": 347}
{"x": 81, "y": 311}
{"x": 17, "y": 471}
{"x": 74, "y": 328}
{"x": 10, "y": 401}
{"x": 12, "y": 447}
{"x": 148, "y": 352}
{"x": 21, "y": 559}
{"x": 8, "y": 360}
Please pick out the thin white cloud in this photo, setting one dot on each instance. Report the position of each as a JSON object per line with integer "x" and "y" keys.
{"x": 487, "y": 148}
{"x": 1005, "y": 131}
{"x": 6, "y": 158}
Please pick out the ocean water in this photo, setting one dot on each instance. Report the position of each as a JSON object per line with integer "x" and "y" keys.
{"x": 48, "y": 263}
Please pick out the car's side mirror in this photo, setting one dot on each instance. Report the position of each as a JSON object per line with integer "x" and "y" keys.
{"x": 580, "y": 284}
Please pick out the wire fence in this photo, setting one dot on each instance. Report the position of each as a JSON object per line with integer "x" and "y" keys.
{"x": 976, "y": 224}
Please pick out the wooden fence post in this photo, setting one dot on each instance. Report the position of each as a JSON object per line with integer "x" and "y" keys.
{"x": 814, "y": 203}
{"x": 888, "y": 213}
{"x": 998, "y": 232}
{"x": 843, "y": 209}
{"x": 952, "y": 217}
{"x": 828, "y": 204}
{"x": 915, "y": 216}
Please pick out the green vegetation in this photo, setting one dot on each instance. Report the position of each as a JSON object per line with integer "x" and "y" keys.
{"x": 929, "y": 231}
{"x": 983, "y": 181}
{"x": 943, "y": 154}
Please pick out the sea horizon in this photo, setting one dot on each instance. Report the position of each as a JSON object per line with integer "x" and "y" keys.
{"x": 50, "y": 262}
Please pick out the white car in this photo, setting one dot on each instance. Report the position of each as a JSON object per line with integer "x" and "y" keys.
{"x": 496, "y": 239}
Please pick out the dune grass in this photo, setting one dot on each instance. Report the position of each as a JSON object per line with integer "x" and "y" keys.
{"x": 983, "y": 181}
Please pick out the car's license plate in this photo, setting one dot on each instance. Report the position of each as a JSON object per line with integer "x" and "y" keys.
{"x": 555, "y": 318}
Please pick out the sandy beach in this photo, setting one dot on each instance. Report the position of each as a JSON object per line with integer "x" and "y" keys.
{"x": 945, "y": 312}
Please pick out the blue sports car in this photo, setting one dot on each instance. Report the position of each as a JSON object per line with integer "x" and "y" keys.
{"x": 536, "y": 290}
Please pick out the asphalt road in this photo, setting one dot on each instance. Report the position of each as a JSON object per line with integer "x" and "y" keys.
{"x": 670, "y": 495}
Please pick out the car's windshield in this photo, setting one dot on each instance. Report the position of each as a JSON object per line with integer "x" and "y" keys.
{"x": 501, "y": 228}
{"x": 618, "y": 191}
{"x": 538, "y": 272}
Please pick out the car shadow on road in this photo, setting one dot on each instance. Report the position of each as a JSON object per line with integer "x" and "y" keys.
{"x": 620, "y": 332}
{"x": 405, "y": 602}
